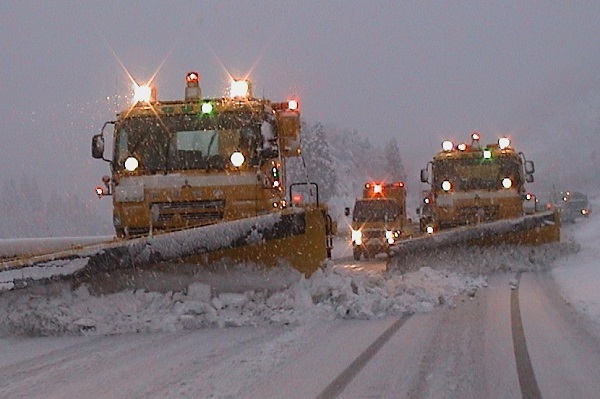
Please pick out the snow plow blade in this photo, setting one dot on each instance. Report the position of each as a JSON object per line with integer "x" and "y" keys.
{"x": 299, "y": 236}
{"x": 537, "y": 229}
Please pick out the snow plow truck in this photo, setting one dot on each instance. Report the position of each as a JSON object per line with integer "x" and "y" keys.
{"x": 198, "y": 180}
{"x": 477, "y": 193}
{"x": 379, "y": 219}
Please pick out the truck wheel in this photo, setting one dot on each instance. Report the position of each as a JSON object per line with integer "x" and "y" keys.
{"x": 356, "y": 253}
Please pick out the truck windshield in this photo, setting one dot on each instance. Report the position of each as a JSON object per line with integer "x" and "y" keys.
{"x": 376, "y": 210}
{"x": 184, "y": 142}
{"x": 477, "y": 174}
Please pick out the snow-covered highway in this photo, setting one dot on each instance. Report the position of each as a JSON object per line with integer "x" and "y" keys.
{"x": 428, "y": 328}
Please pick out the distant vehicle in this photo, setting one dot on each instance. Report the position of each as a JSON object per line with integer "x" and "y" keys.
{"x": 572, "y": 205}
{"x": 379, "y": 219}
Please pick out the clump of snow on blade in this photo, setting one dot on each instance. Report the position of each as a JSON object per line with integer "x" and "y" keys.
{"x": 229, "y": 295}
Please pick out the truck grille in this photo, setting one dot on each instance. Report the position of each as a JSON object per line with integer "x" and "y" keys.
{"x": 368, "y": 234}
{"x": 481, "y": 213}
{"x": 191, "y": 211}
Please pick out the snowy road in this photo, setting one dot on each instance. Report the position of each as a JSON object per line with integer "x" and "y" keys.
{"x": 466, "y": 351}
{"x": 350, "y": 332}
{"x": 471, "y": 351}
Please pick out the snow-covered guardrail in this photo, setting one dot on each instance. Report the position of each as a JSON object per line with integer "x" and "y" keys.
{"x": 15, "y": 247}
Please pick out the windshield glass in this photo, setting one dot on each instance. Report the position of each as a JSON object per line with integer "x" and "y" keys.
{"x": 181, "y": 142}
{"x": 476, "y": 173}
{"x": 380, "y": 210}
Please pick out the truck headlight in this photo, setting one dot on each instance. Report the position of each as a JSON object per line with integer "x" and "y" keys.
{"x": 390, "y": 236}
{"x": 357, "y": 237}
{"x": 131, "y": 164}
{"x": 237, "y": 159}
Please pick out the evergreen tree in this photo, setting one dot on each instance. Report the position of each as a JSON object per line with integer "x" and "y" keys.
{"x": 393, "y": 167}
{"x": 317, "y": 162}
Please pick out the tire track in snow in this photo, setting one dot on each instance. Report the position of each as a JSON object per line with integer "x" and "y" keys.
{"x": 337, "y": 386}
{"x": 527, "y": 380}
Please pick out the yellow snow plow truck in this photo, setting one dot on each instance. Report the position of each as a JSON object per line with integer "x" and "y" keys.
{"x": 482, "y": 188}
{"x": 379, "y": 219}
{"x": 202, "y": 162}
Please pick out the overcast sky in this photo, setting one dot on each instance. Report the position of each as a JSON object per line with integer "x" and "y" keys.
{"x": 418, "y": 71}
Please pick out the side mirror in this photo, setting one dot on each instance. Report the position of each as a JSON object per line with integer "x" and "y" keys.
{"x": 288, "y": 130}
{"x": 98, "y": 146}
{"x": 347, "y": 211}
{"x": 529, "y": 167}
{"x": 529, "y": 178}
{"x": 424, "y": 176}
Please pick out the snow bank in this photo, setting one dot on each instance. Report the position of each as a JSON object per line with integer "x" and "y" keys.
{"x": 329, "y": 293}
{"x": 578, "y": 275}
{"x": 246, "y": 295}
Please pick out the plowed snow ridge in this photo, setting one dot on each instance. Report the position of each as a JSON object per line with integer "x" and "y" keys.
{"x": 282, "y": 296}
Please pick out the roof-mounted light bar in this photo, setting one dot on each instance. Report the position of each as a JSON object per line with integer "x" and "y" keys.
{"x": 290, "y": 105}
{"x": 144, "y": 94}
{"x": 240, "y": 89}
{"x": 503, "y": 143}
{"x": 293, "y": 105}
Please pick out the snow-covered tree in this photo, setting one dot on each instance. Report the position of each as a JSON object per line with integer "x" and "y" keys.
{"x": 316, "y": 164}
{"x": 393, "y": 167}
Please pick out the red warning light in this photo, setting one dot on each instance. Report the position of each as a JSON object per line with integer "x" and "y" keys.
{"x": 192, "y": 77}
